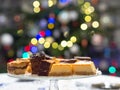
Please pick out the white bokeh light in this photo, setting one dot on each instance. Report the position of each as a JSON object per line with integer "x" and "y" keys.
{"x": 6, "y": 39}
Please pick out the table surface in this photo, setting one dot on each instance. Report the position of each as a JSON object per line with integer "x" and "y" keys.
{"x": 10, "y": 83}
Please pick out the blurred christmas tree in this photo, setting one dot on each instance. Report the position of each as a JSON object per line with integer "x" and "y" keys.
{"x": 58, "y": 27}
{"x": 64, "y": 29}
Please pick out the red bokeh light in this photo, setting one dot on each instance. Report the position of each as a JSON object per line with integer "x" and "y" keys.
{"x": 27, "y": 48}
{"x": 42, "y": 33}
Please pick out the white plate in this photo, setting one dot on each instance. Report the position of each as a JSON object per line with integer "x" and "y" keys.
{"x": 35, "y": 77}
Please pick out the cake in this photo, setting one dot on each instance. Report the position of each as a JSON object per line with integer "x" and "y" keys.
{"x": 84, "y": 68}
{"x": 18, "y": 66}
{"x": 50, "y": 66}
{"x": 43, "y": 65}
{"x": 60, "y": 69}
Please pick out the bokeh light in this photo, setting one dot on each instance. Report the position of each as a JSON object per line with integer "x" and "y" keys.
{"x": 63, "y": 43}
{"x": 83, "y": 26}
{"x": 20, "y": 32}
{"x": 51, "y": 20}
{"x": 34, "y": 41}
{"x": 49, "y": 39}
{"x": 36, "y": 3}
{"x": 97, "y": 40}
{"x": 112, "y": 69}
{"x": 69, "y": 43}
{"x": 36, "y": 10}
{"x": 50, "y": 26}
{"x": 46, "y": 44}
{"x": 42, "y": 33}
{"x": 86, "y": 5}
{"x": 48, "y": 32}
{"x": 6, "y": 39}
{"x": 63, "y": 17}
{"x": 80, "y": 1}
{"x": 89, "y": 10}
{"x": 11, "y": 53}
{"x": 25, "y": 55}
{"x": 60, "y": 48}
{"x": 73, "y": 39}
{"x": 95, "y": 24}
{"x": 43, "y": 23}
{"x": 84, "y": 42}
{"x": 34, "y": 49}
{"x": 41, "y": 40}
{"x": 63, "y": 1}
{"x": 38, "y": 36}
{"x": 54, "y": 45}
{"x": 88, "y": 18}
{"x": 27, "y": 48}
{"x": 50, "y": 3}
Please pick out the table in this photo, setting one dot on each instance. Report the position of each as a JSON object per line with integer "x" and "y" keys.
{"x": 10, "y": 83}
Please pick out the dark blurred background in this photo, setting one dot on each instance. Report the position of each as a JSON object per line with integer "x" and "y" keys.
{"x": 61, "y": 28}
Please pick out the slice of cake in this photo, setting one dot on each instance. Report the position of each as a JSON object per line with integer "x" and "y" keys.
{"x": 60, "y": 69}
{"x": 45, "y": 67}
{"x": 41, "y": 63}
{"x": 84, "y": 68}
{"x": 18, "y": 66}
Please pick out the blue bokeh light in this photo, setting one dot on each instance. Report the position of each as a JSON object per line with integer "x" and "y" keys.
{"x": 63, "y": 1}
{"x": 51, "y": 20}
{"x": 38, "y": 36}
{"x": 34, "y": 49}
{"x": 48, "y": 32}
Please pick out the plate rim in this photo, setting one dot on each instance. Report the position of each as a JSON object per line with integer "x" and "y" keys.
{"x": 36, "y": 77}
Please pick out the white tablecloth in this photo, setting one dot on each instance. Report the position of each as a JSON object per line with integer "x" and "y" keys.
{"x": 10, "y": 83}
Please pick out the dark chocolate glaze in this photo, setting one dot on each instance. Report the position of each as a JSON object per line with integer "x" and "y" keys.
{"x": 68, "y": 60}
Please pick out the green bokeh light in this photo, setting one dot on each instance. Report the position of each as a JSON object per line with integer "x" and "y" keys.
{"x": 112, "y": 69}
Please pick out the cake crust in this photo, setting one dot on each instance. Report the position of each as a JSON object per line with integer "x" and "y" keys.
{"x": 18, "y": 66}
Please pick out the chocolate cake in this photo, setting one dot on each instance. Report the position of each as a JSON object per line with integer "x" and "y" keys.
{"x": 41, "y": 63}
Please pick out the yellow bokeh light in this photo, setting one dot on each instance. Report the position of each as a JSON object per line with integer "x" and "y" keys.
{"x": 11, "y": 53}
{"x": 73, "y": 39}
{"x": 36, "y": 10}
{"x": 95, "y": 24}
{"x": 34, "y": 41}
{"x": 50, "y": 26}
{"x": 54, "y": 2}
{"x": 80, "y": 1}
{"x": 86, "y": 4}
{"x": 83, "y": 26}
{"x": 63, "y": 43}
{"x": 88, "y": 18}
{"x": 20, "y": 32}
{"x": 54, "y": 45}
{"x": 49, "y": 39}
{"x": 41, "y": 40}
{"x": 92, "y": 9}
{"x": 46, "y": 44}
{"x": 87, "y": 11}
{"x": 69, "y": 44}
{"x": 36, "y": 3}
{"x": 50, "y": 3}
{"x": 60, "y": 48}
